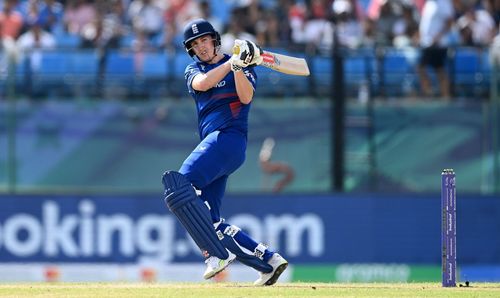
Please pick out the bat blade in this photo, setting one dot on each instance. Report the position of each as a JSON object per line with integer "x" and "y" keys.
{"x": 282, "y": 63}
{"x": 285, "y": 64}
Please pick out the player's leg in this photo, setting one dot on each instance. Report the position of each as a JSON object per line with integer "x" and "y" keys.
{"x": 268, "y": 263}
{"x": 247, "y": 251}
{"x": 425, "y": 83}
{"x": 182, "y": 200}
{"x": 439, "y": 64}
{"x": 216, "y": 156}
{"x": 212, "y": 159}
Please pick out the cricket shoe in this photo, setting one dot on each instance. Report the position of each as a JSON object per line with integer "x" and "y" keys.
{"x": 279, "y": 265}
{"x": 216, "y": 265}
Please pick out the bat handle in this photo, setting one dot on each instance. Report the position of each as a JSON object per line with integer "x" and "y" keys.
{"x": 236, "y": 50}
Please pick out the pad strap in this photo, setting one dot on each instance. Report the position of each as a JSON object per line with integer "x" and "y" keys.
{"x": 240, "y": 244}
{"x": 260, "y": 250}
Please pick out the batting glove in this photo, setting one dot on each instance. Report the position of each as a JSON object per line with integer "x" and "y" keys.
{"x": 256, "y": 51}
{"x": 236, "y": 63}
{"x": 247, "y": 52}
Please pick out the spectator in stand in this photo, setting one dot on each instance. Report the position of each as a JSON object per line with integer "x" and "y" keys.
{"x": 434, "y": 29}
{"x": 77, "y": 14}
{"x": 267, "y": 29}
{"x": 31, "y": 12}
{"x": 477, "y": 27}
{"x": 280, "y": 13}
{"x": 250, "y": 13}
{"x": 104, "y": 32}
{"x": 234, "y": 31}
{"x": 46, "y": 13}
{"x": 494, "y": 56}
{"x": 318, "y": 30}
{"x": 146, "y": 16}
{"x": 493, "y": 8}
{"x": 392, "y": 19}
{"x": 387, "y": 18}
{"x": 11, "y": 24}
{"x": 419, "y": 5}
{"x": 178, "y": 13}
{"x": 350, "y": 30}
{"x": 35, "y": 38}
{"x": 405, "y": 29}
{"x": 369, "y": 28}
{"x": 32, "y": 43}
{"x": 206, "y": 13}
{"x": 262, "y": 19}
{"x": 373, "y": 9}
{"x": 358, "y": 10}
{"x": 11, "y": 21}
{"x": 297, "y": 14}
{"x": 51, "y": 13}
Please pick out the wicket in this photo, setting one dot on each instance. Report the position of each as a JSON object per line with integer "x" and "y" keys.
{"x": 448, "y": 228}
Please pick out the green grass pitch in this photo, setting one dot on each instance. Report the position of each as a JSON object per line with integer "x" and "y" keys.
{"x": 208, "y": 289}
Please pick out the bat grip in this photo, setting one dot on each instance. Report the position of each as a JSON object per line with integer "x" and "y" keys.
{"x": 236, "y": 50}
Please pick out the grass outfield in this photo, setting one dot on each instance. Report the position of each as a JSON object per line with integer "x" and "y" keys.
{"x": 184, "y": 290}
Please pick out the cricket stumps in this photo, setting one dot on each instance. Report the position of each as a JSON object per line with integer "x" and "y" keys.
{"x": 448, "y": 228}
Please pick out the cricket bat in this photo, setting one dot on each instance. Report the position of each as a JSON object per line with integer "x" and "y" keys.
{"x": 282, "y": 63}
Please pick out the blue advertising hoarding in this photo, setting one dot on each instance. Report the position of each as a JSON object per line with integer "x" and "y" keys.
{"x": 307, "y": 229}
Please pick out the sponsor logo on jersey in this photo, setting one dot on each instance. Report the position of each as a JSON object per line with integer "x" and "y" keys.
{"x": 220, "y": 84}
{"x": 250, "y": 76}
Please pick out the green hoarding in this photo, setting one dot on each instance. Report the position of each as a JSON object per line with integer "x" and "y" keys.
{"x": 366, "y": 273}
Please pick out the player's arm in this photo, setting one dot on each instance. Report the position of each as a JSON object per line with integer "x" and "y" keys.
{"x": 205, "y": 81}
{"x": 247, "y": 53}
{"x": 243, "y": 87}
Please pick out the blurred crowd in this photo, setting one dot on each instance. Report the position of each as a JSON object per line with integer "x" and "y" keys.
{"x": 432, "y": 26}
{"x": 306, "y": 24}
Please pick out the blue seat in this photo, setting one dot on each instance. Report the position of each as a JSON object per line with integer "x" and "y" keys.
{"x": 356, "y": 70}
{"x": 63, "y": 38}
{"x": 485, "y": 61}
{"x": 181, "y": 60}
{"x": 55, "y": 63}
{"x": 398, "y": 73}
{"x": 396, "y": 62}
{"x": 322, "y": 71}
{"x": 64, "y": 62}
{"x": 467, "y": 60}
{"x": 355, "y": 65}
{"x": 466, "y": 68}
{"x": 155, "y": 64}
{"x": 85, "y": 62}
{"x": 56, "y": 74}
{"x": 68, "y": 41}
{"x": 120, "y": 64}
{"x": 273, "y": 83}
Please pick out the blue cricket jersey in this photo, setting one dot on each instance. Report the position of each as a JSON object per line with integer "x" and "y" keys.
{"x": 219, "y": 107}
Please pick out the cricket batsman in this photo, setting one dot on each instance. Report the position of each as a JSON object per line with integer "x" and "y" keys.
{"x": 222, "y": 87}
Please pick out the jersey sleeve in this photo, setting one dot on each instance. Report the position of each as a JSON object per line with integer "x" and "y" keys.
{"x": 191, "y": 71}
{"x": 251, "y": 76}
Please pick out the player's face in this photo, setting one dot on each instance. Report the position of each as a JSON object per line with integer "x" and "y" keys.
{"x": 203, "y": 47}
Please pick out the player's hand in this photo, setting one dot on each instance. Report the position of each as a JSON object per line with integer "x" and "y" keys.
{"x": 241, "y": 54}
{"x": 236, "y": 63}
{"x": 247, "y": 52}
{"x": 256, "y": 51}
